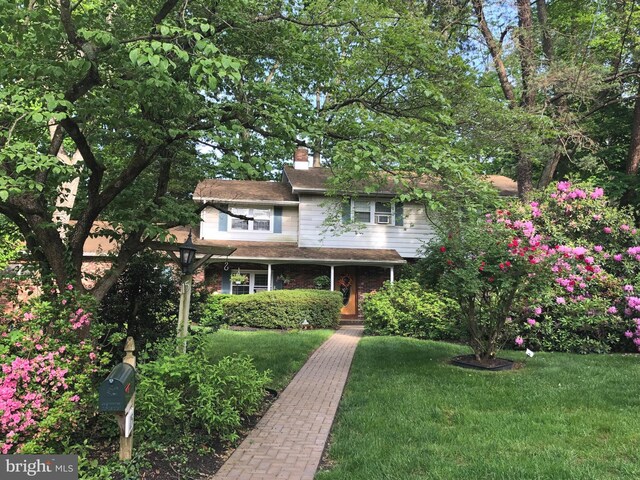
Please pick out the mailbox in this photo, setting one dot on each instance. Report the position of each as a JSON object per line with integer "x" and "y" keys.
{"x": 117, "y": 389}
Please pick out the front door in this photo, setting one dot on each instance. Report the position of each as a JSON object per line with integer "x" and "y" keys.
{"x": 346, "y": 284}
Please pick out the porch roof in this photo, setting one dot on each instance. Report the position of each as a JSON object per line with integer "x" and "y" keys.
{"x": 280, "y": 252}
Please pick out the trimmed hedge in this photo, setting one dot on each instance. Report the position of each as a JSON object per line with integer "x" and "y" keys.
{"x": 406, "y": 308}
{"x": 284, "y": 309}
{"x": 213, "y": 313}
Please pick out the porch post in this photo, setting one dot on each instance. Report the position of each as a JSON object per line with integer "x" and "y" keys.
{"x": 391, "y": 274}
{"x": 333, "y": 274}
{"x": 269, "y": 281}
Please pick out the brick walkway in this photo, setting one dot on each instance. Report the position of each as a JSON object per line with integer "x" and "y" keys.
{"x": 289, "y": 440}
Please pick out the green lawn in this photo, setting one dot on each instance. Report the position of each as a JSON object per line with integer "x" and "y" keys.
{"x": 281, "y": 352}
{"x": 408, "y": 414}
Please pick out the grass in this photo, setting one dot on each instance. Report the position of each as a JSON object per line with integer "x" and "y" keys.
{"x": 283, "y": 353}
{"x": 408, "y": 414}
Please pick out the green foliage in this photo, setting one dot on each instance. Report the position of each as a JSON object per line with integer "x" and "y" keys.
{"x": 213, "y": 312}
{"x": 406, "y": 308}
{"x": 322, "y": 282}
{"x": 180, "y": 395}
{"x": 490, "y": 268}
{"x": 284, "y": 309}
{"x": 143, "y": 300}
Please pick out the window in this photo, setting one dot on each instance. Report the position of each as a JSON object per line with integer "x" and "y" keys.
{"x": 374, "y": 211}
{"x": 362, "y": 211}
{"x": 261, "y": 219}
{"x": 256, "y": 282}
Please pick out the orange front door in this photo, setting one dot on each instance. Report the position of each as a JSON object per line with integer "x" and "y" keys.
{"x": 346, "y": 283}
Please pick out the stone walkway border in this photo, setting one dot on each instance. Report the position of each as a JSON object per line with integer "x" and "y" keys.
{"x": 289, "y": 440}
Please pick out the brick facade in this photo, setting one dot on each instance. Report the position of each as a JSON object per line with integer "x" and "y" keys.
{"x": 369, "y": 279}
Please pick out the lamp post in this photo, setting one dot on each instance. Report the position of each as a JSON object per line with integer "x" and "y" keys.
{"x": 187, "y": 256}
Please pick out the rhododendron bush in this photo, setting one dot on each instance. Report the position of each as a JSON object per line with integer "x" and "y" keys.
{"x": 48, "y": 363}
{"x": 557, "y": 273}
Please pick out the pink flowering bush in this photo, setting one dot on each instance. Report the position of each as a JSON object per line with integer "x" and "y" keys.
{"x": 489, "y": 266}
{"x": 558, "y": 273}
{"x": 597, "y": 265}
{"x": 48, "y": 365}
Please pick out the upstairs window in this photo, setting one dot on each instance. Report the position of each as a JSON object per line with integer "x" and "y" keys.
{"x": 261, "y": 219}
{"x": 376, "y": 212}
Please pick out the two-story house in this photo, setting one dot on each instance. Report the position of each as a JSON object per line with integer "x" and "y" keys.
{"x": 284, "y": 241}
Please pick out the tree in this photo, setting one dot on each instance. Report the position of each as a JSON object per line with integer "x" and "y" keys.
{"x": 111, "y": 111}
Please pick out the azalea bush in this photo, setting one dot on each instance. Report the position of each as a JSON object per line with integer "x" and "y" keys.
{"x": 558, "y": 273}
{"x": 588, "y": 306}
{"x": 489, "y": 266}
{"x": 48, "y": 367}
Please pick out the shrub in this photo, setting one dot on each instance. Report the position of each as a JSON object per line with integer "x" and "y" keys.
{"x": 184, "y": 394}
{"x": 47, "y": 388}
{"x": 213, "y": 313}
{"x": 284, "y": 309}
{"x": 143, "y": 300}
{"x": 406, "y": 308}
{"x": 322, "y": 282}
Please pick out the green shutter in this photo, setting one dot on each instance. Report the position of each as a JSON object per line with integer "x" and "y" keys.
{"x": 222, "y": 219}
{"x": 399, "y": 214}
{"x": 277, "y": 219}
{"x": 346, "y": 211}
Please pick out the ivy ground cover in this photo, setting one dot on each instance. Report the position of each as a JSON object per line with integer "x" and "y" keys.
{"x": 408, "y": 414}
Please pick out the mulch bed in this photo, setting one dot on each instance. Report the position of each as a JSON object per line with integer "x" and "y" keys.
{"x": 494, "y": 365}
{"x": 177, "y": 462}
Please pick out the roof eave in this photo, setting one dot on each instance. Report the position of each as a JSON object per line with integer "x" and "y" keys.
{"x": 243, "y": 201}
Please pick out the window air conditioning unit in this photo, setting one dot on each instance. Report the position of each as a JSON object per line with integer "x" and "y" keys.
{"x": 383, "y": 219}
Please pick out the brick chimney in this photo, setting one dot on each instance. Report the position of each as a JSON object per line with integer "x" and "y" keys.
{"x": 301, "y": 158}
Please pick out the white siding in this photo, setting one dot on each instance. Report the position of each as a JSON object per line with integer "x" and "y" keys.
{"x": 406, "y": 239}
{"x": 209, "y": 228}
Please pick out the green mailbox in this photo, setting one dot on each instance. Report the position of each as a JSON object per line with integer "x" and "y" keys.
{"x": 117, "y": 389}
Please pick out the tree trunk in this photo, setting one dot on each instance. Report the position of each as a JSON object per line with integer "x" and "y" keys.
{"x": 633, "y": 157}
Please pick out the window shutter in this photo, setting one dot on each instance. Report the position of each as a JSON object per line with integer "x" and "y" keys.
{"x": 223, "y": 219}
{"x": 226, "y": 281}
{"x": 399, "y": 214}
{"x": 277, "y": 219}
{"x": 346, "y": 211}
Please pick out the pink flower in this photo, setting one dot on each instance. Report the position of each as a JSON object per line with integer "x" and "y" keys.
{"x": 628, "y": 288}
{"x": 92, "y": 356}
{"x": 597, "y": 193}
{"x": 519, "y": 340}
{"x": 531, "y": 321}
{"x": 69, "y": 287}
{"x": 597, "y": 217}
{"x": 560, "y": 300}
{"x": 597, "y": 248}
{"x": 29, "y": 316}
{"x": 75, "y": 398}
{"x": 624, "y": 227}
{"x": 563, "y": 186}
{"x": 64, "y": 302}
{"x": 628, "y": 334}
{"x": 537, "y": 310}
{"x": 606, "y": 229}
{"x": 617, "y": 257}
{"x": 612, "y": 310}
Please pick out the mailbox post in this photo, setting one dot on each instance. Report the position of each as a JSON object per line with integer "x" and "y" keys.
{"x": 117, "y": 395}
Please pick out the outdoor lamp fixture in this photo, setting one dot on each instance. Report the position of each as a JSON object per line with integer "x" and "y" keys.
{"x": 187, "y": 254}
